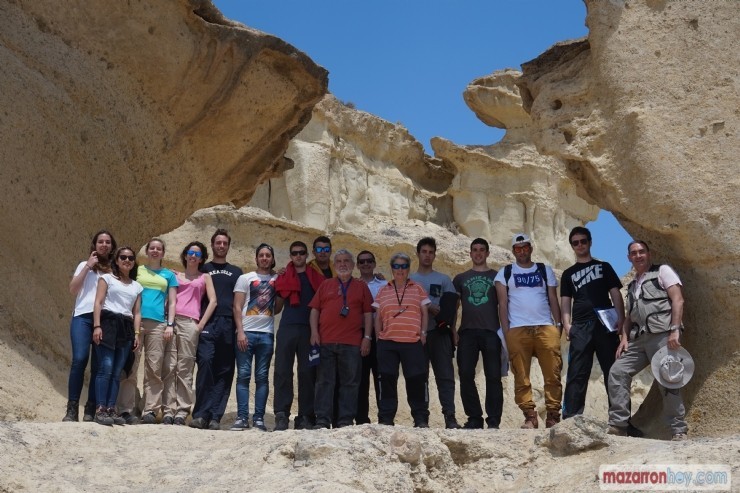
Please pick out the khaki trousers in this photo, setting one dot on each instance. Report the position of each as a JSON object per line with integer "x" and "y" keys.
{"x": 542, "y": 341}
{"x": 179, "y": 390}
{"x": 160, "y": 359}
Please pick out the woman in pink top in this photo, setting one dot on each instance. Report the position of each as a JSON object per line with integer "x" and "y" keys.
{"x": 192, "y": 286}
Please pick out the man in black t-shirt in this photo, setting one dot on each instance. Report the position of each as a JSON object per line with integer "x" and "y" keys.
{"x": 585, "y": 292}
{"x": 479, "y": 335}
{"x": 215, "y": 353}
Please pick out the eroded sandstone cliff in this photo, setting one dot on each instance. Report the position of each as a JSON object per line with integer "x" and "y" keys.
{"x": 128, "y": 115}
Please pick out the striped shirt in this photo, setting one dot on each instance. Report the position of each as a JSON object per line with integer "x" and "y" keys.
{"x": 401, "y": 312}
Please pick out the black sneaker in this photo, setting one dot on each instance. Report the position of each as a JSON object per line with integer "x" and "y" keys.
{"x": 321, "y": 426}
{"x": 281, "y": 422}
{"x": 304, "y": 423}
{"x": 386, "y": 422}
{"x": 451, "y": 422}
{"x": 89, "y": 412}
{"x": 179, "y": 421}
{"x": 102, "y": 418}
{"x": 168, "y": 420}
{"x": 214, "y": 425}
{"x": 130, "y": 419}
{"x": 259, "y": 424}
{"x": 473, "y": 424}
{"x": 240, "y": 424}
{"x": 198, "y": 423}
{"x": 149, "y": 419}
{"x": 421, "y": 423}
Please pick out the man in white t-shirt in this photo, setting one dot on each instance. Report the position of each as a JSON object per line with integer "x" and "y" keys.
{"x": 527, "y": 307}
{"x": 255, "y": 304}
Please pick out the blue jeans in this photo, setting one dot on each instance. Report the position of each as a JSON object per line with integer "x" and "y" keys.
{"x": 260, "y": 346}
{"x": 80, "y": 332}
{"x": 110, "y": 363}
{"x": 340, "y": 366}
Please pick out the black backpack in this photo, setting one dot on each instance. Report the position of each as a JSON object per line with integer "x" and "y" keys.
{"x": 540, "y": 268}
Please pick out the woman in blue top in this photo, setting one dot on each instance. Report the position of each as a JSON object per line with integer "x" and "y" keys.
{"x": 158, "y": 302}
{"x": 83, "y": 285}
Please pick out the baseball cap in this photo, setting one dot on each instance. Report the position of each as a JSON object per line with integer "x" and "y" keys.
{"x": 520, "y": 239}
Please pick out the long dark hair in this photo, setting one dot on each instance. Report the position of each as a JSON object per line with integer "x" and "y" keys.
{"x": 117, "y": 271}
{"x": 104, "y": 264}
{"x": 203, "y": 251}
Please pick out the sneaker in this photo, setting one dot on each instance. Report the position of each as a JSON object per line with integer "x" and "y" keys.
{"x": 281, "y": 422}
{"x": 130, "y": 419}
{"x": 73, "y": 409}
{"x": 321, "y": 426}
{"x": 240, "y": 425}
{"x": 386, "y": 422}
{"x": 303, "y": 423}
{"x": 259, "y": 424}
{"x": 473, "y": 424}
{"x": 102, "y": 418}
{"x": 421, "y": 423}
{"x": 214, "y": 425}
{"x": 198, "y": 423}
{"x": 149, "y": 419}
{"x": 451, "y": 422}
{"x": 530, "y": 420}
{"x": 553, "y": 418}
{"x": 168, "y": 420}
{"x": 179, "y": 421}
{"x": 89, "y": 412}
{"x": 624, "y": 431}
{"x": 679, "y": 437}
{"x": 117, "y": 418}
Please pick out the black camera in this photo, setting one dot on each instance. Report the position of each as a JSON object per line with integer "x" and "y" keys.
{"x": 344, "y": 311}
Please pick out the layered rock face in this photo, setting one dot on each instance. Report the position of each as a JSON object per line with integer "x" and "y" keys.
{"x": 509, "y": 187}
{"x": 644, "y": 115}
{"x": 128, "y": 116}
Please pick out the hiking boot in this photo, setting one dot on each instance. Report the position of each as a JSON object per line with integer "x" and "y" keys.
{"x": 73, "y": 409}
{"x": 198, "y": 423}
{"x": 421, "y": 423}
{"x": 89, "y": 412}
{"x": 259, "y": 424}
{"x": 214, "y": 425}
{"x": 530, "y": 420}
{"x": 179, "y": 421}
{"x": 240, "y": 425}
{"x": 451, "y": 422}
{"x": 130, "y": 419}
{"x": 102, "y": 418}
{"x": 553, "y": 418}
{"x": 149, "y": 419}
{"x": 473, "y": 424}
{"x": 679, "y": 437}
{"x": 168, "y": 420}
{"x": 281, "y": 422}
{"x": 117, "y": 418}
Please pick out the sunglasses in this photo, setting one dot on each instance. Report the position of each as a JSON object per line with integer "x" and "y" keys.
{"x": 522, "y": 248}
{"x": 130, "y": 258}
{"x": 322, "y": 249}
{"x": 366, "y": 261}
{"x": 399, "y": 266}
{"x": 296, "y": 253}
{"x": 193, "y": 253}
{"x": 582, "y": 241}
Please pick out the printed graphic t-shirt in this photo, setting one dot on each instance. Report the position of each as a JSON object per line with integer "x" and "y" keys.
{"x": 259, "y": 301}
{"x": 478, "y": 298}
{"x": 528, "y": 303}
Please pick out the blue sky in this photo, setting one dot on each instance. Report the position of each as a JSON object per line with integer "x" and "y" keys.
{"x": 408, "y": 61}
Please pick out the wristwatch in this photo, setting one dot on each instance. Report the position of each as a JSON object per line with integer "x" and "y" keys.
{"x": 367, "y": 337}
{"x": 559, "y": 325}
{"x": 170, "y": 324}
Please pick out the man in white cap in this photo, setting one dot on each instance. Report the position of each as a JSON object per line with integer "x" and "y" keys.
{"x": 654, "y": 314}
{"x": 530, "y": 318}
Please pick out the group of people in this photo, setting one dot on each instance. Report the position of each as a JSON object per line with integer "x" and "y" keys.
{"x": 342, "y": 329}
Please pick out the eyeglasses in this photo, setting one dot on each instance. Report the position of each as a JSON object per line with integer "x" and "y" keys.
{"x": 582, "y": 241}
{"x": 399, "y": 266}
{"x": 297, "y": 253}
{"x": 366, "y": 261}
{"x": 130, "y": 258}
{"x": 194, "y": 253}
{"x": 326, "y": 249}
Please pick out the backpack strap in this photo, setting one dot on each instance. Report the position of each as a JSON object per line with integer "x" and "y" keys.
{"x": 507, "y": 276}
{"x": 543, "y": 272}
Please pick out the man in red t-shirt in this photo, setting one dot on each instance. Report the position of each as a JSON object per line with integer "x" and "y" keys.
{"x": 340, "y": 309}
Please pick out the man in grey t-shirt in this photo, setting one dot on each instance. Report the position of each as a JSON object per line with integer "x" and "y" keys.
{"x": 440, "y": 345}
{"x": 478, "y": 335}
